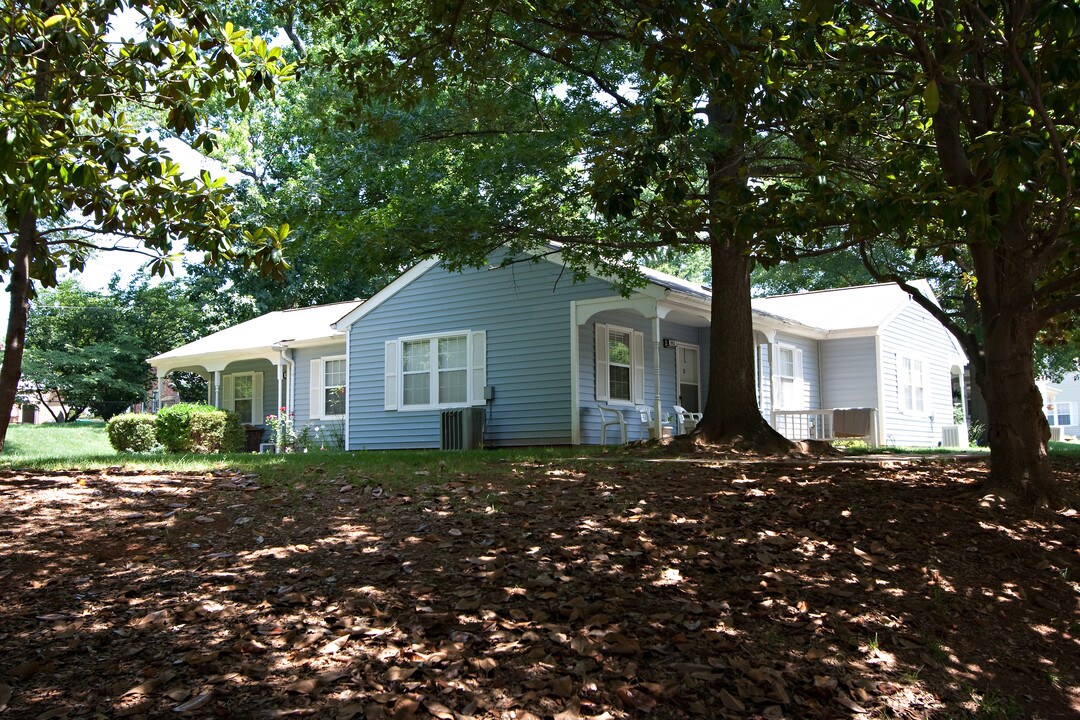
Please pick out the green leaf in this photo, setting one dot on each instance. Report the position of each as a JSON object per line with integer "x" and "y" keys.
{"x": 932, "y": 98}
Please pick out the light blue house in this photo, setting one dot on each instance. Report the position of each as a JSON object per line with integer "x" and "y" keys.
{"x": 520, "y": 355}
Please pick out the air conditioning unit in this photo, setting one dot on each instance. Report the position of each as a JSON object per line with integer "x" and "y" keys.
{"x": 954, "y": 436}
{"x": 1057, "y": 433}
{"x": 462, "y": 429}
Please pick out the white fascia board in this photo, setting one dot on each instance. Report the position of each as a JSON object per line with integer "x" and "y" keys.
{"x": 400, "y": 282}
{"x": 214, "y": 361}
{"x": 776, "y": 323}
{"x": 335, "y": 341}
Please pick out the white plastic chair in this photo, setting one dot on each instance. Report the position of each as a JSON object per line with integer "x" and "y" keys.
{"x": 645, "y": 412}
{"x": 686, "y": 420}
{"x": 611, "y": 417}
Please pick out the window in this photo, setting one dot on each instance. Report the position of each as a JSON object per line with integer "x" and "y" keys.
{"x": 620, "y": 365}
{"x": 242, "y": 393}
{"x": 334, "y": 387}
{"x": 435, "y": 367}
{"x": 327, "y": 396}
{"x": 1060, "y": 414}
{"x": 789, "y": 384}
{"x": 913, "y": 374}
{"x": 436, "y": 371}
{"x": 243, "y": 396}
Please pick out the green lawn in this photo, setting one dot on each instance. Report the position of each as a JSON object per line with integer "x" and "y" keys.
{"x": 84, "y": 445}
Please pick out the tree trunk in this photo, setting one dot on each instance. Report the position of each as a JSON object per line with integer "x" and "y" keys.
{"x": 1018, "y": 430}
{"x": 19, "y": 287}
{"x": 731, "y": 410}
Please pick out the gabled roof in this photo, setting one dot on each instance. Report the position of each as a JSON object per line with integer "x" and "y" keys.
{"x": 850, "y": 308}
{"x": 299, "y": 326}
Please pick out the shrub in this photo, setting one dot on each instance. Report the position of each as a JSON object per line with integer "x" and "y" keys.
{"x": 132, "y": 432}
{"x": 173, "y": 425}
{"x": 213, "y": 432}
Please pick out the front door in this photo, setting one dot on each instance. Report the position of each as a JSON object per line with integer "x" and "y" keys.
{"x": 688, "y": 367}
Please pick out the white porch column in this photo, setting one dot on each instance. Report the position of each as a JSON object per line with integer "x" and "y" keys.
{"x": 575, "y": 378}
{"x": 210, "y": 390}
{"x": 217, "y": 389}
{"x": 657, "y": 421}
{"x": 160, "y": 390}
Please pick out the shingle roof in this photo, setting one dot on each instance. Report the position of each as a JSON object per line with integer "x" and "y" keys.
{"x": 299, "y": 325}
{"x": 850, "y": 308}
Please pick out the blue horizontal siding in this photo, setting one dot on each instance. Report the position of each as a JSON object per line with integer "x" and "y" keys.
{"x": 524, "y": 310}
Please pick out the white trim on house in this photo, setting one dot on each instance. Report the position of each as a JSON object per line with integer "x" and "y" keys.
{"x": 796, "y": 401}
{"x": 475, "y": 371}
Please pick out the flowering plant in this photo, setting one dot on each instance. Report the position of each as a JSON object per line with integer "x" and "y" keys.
{"x": 281, "y": 426}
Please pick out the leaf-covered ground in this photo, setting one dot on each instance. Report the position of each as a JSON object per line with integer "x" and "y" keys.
{"x": 610, "y": 588}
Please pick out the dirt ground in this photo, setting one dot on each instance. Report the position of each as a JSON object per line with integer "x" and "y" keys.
{"x": 592, "y": 589}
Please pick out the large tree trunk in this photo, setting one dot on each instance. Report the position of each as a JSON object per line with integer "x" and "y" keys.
{"x": 731, "y": 410}
{"x": 1018, "y": 430}
{"x": 1016, "y": 426}
{"x": 19, "y": 288}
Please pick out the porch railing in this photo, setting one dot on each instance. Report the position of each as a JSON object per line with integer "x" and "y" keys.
{"x": 827, "y": 424}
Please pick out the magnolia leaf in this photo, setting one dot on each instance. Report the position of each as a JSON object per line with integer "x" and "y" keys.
{"x": 932, "y": 98}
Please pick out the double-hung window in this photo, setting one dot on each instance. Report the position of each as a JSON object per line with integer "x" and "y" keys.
{"x": 1060, "y": 414}
{"x": 913, "y": 390}
{"x": 242, "y": 393}
{"x": 620, "y": 365}
{"x": 436, "y": 371}
{"x": 328, "y": 377}
{"x": 789, "y": 378}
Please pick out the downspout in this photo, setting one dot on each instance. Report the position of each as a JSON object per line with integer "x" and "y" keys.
{"x": 283, "y": 390}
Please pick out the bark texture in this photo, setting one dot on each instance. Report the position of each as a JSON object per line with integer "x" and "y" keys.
{"x": 731, "y": 411}
{"x": 15, "y": 340}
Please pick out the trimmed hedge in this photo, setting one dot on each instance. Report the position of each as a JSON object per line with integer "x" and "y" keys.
{"x": 194, "y": 427}
{"x": 213, "y": 432}
{"x": 132, "y": 432}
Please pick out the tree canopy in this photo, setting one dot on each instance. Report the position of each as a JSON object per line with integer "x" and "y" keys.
{"x": 78, "y": 174}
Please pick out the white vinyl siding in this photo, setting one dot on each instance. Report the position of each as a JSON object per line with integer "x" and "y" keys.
{"x": 327, "y": 389}
{"x": 620, "y": 365}
{"x": 441, "y": 371}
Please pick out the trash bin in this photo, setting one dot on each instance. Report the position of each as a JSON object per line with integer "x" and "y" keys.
{"x": 29, "y": 414}
{"x": 254, "y": 435}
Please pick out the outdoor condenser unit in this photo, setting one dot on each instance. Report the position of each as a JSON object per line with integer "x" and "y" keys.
{"x": 954, "y": 436}
{"x": 462, "y": 429}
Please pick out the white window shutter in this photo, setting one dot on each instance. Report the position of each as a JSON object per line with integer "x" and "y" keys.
{"x": 390, "y": 376}
{"x": 478, "y": 341}
{"x": 228, "y": 394}
{"x": 637, "y": 361}
{"x": 257, "y": 417}
{"x": 603, "y": 387}
{"x": 799, "y": 401}
{"x": 315, "y": 386}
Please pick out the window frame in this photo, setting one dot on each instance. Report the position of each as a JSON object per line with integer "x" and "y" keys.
{"x": 324, "y": 387}
{"x": 904, "y": 376}
{"x": 629, "y": 333}
{"x": 434, "y": 371}
{"x": 1053, "y": 414}
{"x": 794, "y": 381}
{"x": 248, "y": 374}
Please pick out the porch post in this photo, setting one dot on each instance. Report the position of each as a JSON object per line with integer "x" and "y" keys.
{"x": 575, "y": 378}
{"x": 210, "y": 390}
{"x": 160, "y": 389}
{"x": 657, "y": 420}
{"x": 217, "y": 388}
